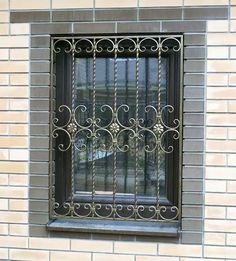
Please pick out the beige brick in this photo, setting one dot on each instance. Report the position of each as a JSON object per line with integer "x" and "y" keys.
{"x": 221, "y": 93}
{"x": 14, "y": 92}
{"x": 218, "y": 120}
{"x": 215, "y": 212}
{"x": 157, "y": 3}
{"x": 232, "y": 133}
{"x": 71, "y": 256}
{"x": 180, "y": 250}
{"x": 3, "y": 179}
{"x": 221, "y": 66}
{"x": 214, "y": 238}
{"x": 216, "y": 133}
{"x": 18, "y": 204}
{"x": 14, "y": 41}
{"x": 19, "y": 129}
{"x": 233, "y": 25}
{"x": 231, "y": 240}
{"x": 19, "y": 154}
{"x": 216, "y": 106}
{"x": 4, "y": 104}
{"x": 18, "y": 180}
{"x": 3, "y": 129}
{"x": 4, "y": 254}
{"x": 13, "y": 142}
{"x": 156, "y": 258}
{"x": 215, "y": 159}
{"x": 19, "y": 104}
{"x": 13, "y": 217}
{"x": 233, "y": 12}
{"x": 232, "y": 79}
{"x": 231, "y": 185}
{"x": 29, "y": 255}
{"x": 217, "y": 225}
{"x": 92, "y": 246}
{"x": 72, "y": 4}
{"x": 232, "y": 160}
{"x": 19, "y": 54}
{"x": 18, "y": 230}
{"x": 217, "y": 79}
{"x": 19, "y": 79}
{"x": 218, "y": 199}
{"x": 197, "y": 259}
{"x": 19, "y": 29}
{"x": 217, "y": 25}
{"x": 13, "y": 167}
{"x": 4, "y": 17}
{"x": 3, "y": 4}
{"x": 32, "y": 4}
{"x": 220, "y": 252}
{"x": 217, "y": 52}
{"x": 115, "y": 4}
{"x": 13, "y": 117}
{"x": 13, "y": 192}
{"x": 112, "y": 257}
{"x": 49, "y": 243}
{"x": 215, "y": 186}
{"x": 3, "y": 229}
{"x": 4, "y": 29}
{"x": 4, "y": 79}
{"x": 221, "y": 173}
{"x": 220, "y": 146}
{"x": 10, "y": 241}
{"x": 231, "y": 213}
{"x": 3, "y": 204}
{"x": 135, "y": 248}
{"x": 4, "y": 53}
{"x": 4, "y": 155}
{"x": 232, "y": 52}
{"x": 231, "y": 106}
{"x": 16, "y": 66}
{"x": 205, "y": 2}
{"x": 221, "y": 38}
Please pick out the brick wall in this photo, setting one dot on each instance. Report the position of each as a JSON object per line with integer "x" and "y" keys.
{"x": 219, "y": 237}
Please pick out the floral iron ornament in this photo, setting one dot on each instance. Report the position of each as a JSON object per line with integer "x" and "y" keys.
{"x": 92, "y": 128}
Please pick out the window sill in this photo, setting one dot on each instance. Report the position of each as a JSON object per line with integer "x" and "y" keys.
{"x": 170, "y": 229}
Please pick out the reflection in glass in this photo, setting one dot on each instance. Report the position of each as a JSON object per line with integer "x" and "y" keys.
{"x": 126, "y": 94}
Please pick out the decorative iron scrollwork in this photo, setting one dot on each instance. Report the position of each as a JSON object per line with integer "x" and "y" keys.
{"x": 162, "y": 125}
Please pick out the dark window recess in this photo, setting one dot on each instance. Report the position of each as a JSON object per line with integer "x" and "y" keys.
{"x": 116, "y": 129}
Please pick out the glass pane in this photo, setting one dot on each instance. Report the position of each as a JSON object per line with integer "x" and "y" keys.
{"x": 101, "y": 150}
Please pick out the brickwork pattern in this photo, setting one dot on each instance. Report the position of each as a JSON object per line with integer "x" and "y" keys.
{"x": 219, "y": 241}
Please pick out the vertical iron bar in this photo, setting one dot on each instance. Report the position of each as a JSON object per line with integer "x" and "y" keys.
{"x": 115, "y": 145}
{"x": 72, "y": 109}
{"x": 146, "y": 178}
{"x": 87, "y": 106}
{"x": 136, "y": 128}
{"x": 158, "y": 135}
{"x": 106, "y": 187}
{"x": 126, "y": 139}
{"x": 93, "y": 127}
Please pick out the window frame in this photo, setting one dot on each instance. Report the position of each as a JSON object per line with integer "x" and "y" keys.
{"x": 62, "y": 185}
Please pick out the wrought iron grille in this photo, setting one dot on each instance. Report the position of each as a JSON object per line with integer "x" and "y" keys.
{"x": 98, "y": 122}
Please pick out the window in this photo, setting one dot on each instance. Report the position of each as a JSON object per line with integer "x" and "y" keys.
{"x": 116, "y": 127}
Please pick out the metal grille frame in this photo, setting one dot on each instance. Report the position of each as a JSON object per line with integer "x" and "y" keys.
{"x": 71, "y": 208}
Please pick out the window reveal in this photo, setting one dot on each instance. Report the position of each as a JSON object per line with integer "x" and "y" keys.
{"x": 116, "y": 127}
